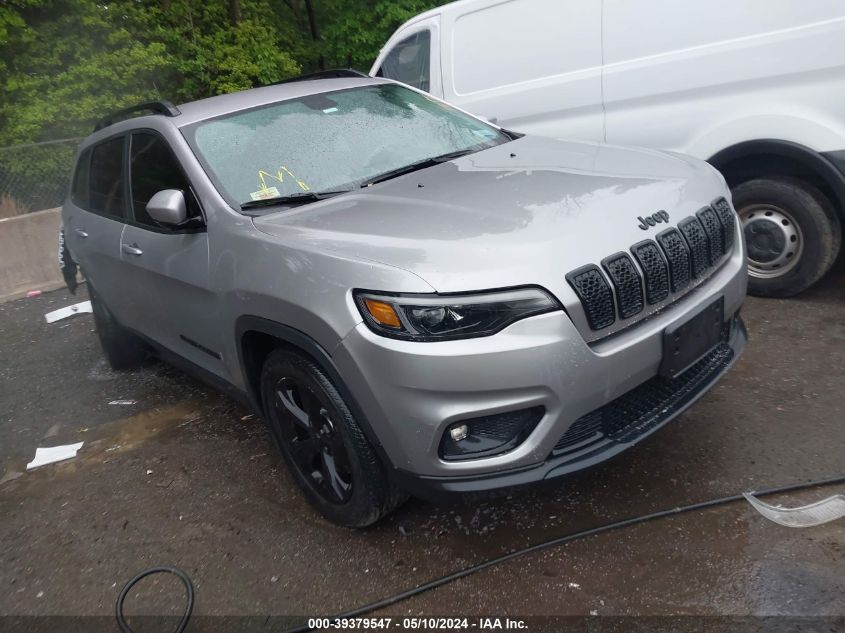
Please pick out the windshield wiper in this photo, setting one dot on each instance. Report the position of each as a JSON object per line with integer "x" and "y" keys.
{"x": 420, "y": 164}
{"x": 296, "y": 198}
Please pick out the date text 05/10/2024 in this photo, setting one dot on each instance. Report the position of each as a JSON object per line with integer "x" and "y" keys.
{"x": 419, "y": 623}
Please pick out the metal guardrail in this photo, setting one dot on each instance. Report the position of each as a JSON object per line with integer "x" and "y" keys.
{"x": 36, "y": 176}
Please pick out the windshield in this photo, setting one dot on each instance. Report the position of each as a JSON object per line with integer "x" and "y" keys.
{"x": 331, "y": 141}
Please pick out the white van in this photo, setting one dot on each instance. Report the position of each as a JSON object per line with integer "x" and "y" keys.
{"x": 756, "y": 87}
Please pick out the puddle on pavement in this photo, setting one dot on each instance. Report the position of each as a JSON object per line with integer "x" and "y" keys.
{"x": 218, "y": 418}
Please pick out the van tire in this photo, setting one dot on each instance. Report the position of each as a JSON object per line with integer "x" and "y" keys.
{"x": 122, "y": 349}
{"x": 354, "y": 490}
{"x": 809, "y": 221}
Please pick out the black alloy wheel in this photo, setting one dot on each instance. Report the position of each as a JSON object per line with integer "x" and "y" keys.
{"x": 323, "y": 443}
{"x": 315, "y": 445}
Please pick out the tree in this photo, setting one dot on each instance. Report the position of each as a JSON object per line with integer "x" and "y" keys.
{"x": 65, "y": 63}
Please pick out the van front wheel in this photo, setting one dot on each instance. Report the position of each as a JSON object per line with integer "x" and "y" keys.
{"x": 792, "y": 234}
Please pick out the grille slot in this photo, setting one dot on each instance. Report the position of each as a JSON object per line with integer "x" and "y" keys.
{"x": 645, "y": 407}
{"x": 726, "y": 217}
{"x": 677, "y": 254}
{"x": 626, "y": 283}
{"x": 696, "y": 239}
{"x": 594, "y": 292}
{"x": 654, "y": 269}
{"x": 715, "y": 233}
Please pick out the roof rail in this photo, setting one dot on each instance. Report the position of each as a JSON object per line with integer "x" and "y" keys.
{"x": 335, "y": 73}
{"x": 156, "y": 107}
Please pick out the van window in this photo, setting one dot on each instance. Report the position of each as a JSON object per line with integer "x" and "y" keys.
{"x": 79, "y": 189}
{"x": 409, "y": 61}
{"x": 106, "y": 178}
{"x": 510, "y": 43}
{"x": 153, "y": 167}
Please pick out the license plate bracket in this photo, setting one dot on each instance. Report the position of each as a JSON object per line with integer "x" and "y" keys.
{"x": 684, "y": 344}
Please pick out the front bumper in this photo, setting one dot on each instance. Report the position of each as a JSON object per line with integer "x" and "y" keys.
{"x": 410, "y": 392}
{"x": 603, "y": 433}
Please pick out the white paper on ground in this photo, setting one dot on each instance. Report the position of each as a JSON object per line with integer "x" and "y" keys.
{"x": 53, "y": 454}
{"x": 123, "y": 402}
{"x": 810, "y": 515}
{"x": 63, "y": 313}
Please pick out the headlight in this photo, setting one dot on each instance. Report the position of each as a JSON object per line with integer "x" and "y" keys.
{"x": 439, "y": 317}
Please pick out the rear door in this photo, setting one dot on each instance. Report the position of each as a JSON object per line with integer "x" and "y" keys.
{"x": 95, "y": 218}
{"x": 168, "y": 268}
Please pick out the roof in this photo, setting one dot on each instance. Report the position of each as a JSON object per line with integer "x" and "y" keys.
{"x": 195, "y": 111}
{"x": 211, "y": 107}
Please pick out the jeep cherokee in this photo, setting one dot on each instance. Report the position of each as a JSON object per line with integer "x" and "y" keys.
{"x": 416, "y": 301}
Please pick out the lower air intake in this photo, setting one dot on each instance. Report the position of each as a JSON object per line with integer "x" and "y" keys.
{"x": 635, "y": 413}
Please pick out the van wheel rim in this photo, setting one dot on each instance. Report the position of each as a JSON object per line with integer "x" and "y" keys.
{"x": 312, "y": 440}
{"x": 773, "y": 240}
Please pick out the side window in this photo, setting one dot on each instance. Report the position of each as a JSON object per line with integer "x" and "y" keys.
{"x": 79, "y": 189}
{"x": 106, "y": 178}
{"x": 409, "y": 61}
{"x": 153, "y": 167}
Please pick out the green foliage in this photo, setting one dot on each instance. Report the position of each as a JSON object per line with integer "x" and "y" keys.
{"x": 65, "y": 63}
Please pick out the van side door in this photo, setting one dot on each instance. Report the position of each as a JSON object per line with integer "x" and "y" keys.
{"x": 412, "y": 56}
{"x": 168, "y": 267}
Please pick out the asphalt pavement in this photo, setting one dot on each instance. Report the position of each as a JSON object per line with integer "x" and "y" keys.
{"x": 186, "y": 477}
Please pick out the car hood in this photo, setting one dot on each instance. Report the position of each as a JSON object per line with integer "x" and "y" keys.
{"x": 510, "y": 215}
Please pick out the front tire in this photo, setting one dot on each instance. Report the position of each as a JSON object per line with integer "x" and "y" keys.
{"x": 122, "y": 349}
{"x": 322, "y": 443}
{"x": 792, "y": 233}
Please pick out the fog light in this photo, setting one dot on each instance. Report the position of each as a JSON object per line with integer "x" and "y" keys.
{"x": 488, "y": 435}
{"x": 459, "y": 432}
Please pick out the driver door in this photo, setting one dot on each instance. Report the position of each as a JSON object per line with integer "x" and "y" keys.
{"x": 168, "y": 267}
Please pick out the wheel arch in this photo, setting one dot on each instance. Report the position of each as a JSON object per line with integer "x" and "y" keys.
{"x": 773, "y": 157}
{"x": 256, "y": 337}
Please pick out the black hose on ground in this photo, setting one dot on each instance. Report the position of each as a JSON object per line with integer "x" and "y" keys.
{"x": 189, "y": 597}
{"x": 473, "y": 569}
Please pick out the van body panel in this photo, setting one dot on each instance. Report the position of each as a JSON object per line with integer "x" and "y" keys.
{"x": 484, "y": 69}
{"x": 694, "y": 78}
{"x": 705, "y": 77}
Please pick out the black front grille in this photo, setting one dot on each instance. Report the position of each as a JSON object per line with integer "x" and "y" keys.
{"x": 699, "y": 249}
{"x": 677, "y": 254}
{"x": 654, "y": 269}
{"x": 644, "y": 407}
{"x": 626, "y": 283}
{"x": 595, "y": 295}
{"x": 715, "y": 234}
{"x": 727, "y": 219}
{"x": 683, "y": 254}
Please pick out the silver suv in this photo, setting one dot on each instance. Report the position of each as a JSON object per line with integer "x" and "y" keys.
{"x": 415, "y": 300}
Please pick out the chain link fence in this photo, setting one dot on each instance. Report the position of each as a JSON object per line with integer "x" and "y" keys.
{"x": 35, "y": 177}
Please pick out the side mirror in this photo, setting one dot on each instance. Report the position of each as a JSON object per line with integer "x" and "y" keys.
{"x": 168, "y": 207}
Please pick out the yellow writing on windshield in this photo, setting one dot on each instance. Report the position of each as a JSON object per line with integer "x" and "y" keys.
{"x": 279, "y": 176}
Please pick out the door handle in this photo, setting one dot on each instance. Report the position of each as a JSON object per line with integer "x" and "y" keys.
{"x": 80, "y": 232}
{"x": 132, "y": 249}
